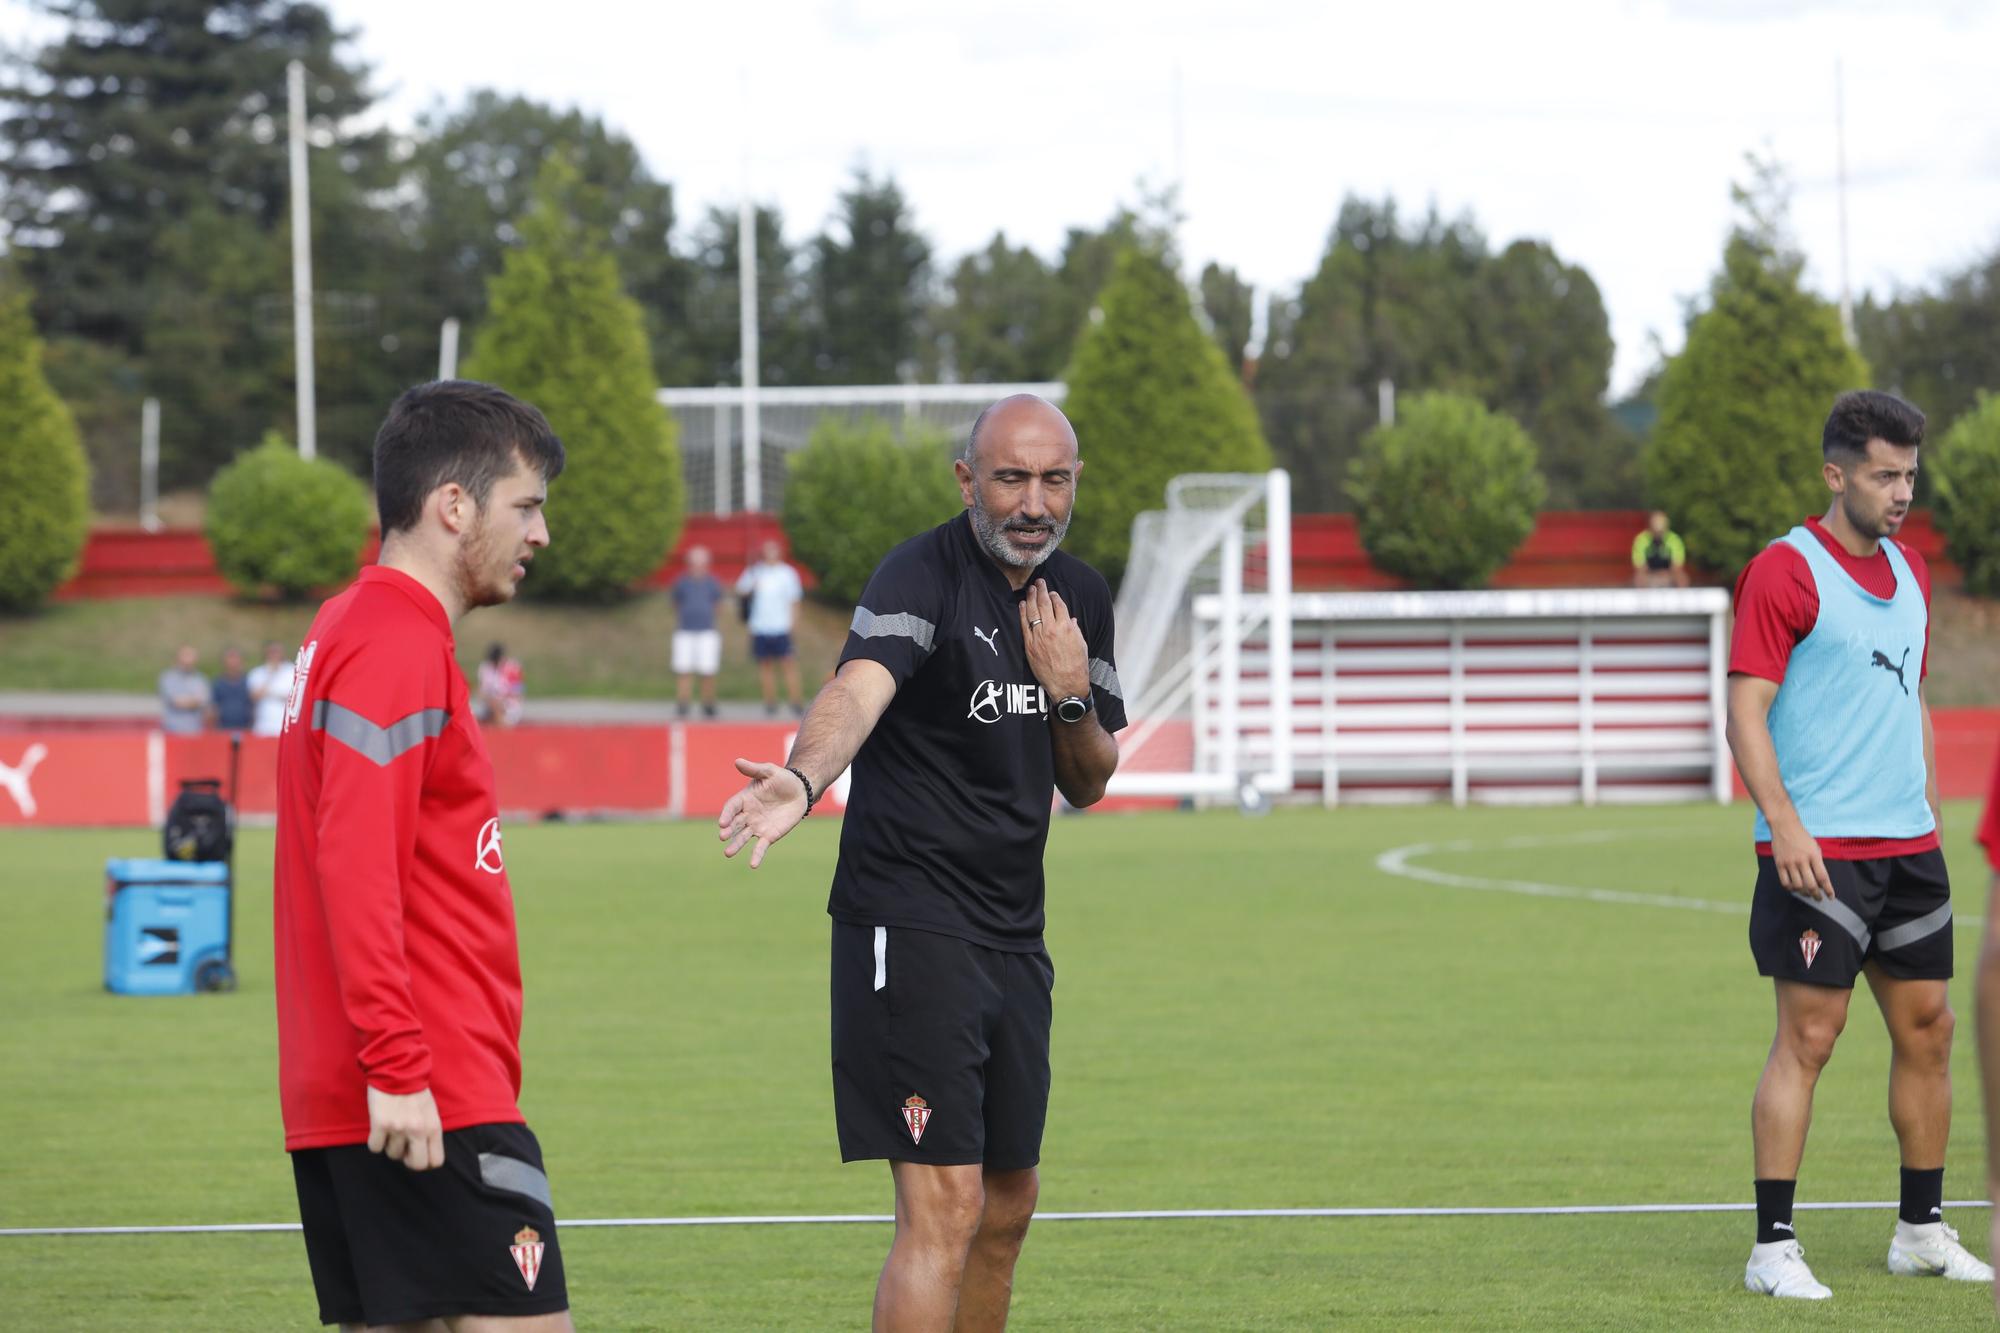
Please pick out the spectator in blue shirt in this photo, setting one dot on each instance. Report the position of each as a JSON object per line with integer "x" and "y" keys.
{"x": 697, "y": 642}
{"x": 229, "y": 696}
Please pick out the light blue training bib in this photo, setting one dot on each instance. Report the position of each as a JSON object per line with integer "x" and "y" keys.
{"x": 1847, "y": 723}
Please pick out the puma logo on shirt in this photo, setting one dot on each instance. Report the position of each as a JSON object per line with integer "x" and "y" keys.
{"x": 1897, "y": 667}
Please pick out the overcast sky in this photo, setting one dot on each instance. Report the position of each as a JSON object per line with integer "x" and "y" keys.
{"x": 1610, "y": 128}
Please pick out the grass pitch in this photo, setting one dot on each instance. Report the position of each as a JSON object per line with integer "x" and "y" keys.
{"x": 1250, "y": 1013}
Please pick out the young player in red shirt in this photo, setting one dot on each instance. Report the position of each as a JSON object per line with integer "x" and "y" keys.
{"x": 1830, "y": 730}
{"x": 398, "y": 974}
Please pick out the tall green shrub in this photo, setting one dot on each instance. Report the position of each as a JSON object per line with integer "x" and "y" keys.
{"x": 1966, "y": 494}
{"x": 856, "y": 491}
{"x": 561, "y": 334}
{"x": 1151, "y": 398}
{"x": 1736, "y": 455}
{"x": 44, "y": 477}
{"x": 1447, "y": 493}
{"x": 278, "y": 523}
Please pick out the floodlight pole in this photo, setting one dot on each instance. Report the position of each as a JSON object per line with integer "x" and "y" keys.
{"x": 1840, "y": 157}
{"x": 302, "y": 288}
{"x": 746, "y": 275}
{"x": 448, "y": 350}
{"x": 149, "y": 465}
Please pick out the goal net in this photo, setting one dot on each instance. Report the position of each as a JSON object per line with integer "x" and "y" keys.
{"x": 728, "y": 473}
{"x": 1204, "y": 642}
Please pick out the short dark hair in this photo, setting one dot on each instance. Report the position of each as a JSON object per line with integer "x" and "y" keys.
{"x": 1869, "y": 414}
{"x": 455, "y": 431}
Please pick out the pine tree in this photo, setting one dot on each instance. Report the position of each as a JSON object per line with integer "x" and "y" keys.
{"x": 561, "y": 334}
{"x": 1736, "y": 456}
{"x": 45, "y": 503}
{"x": 1151, "y": 398}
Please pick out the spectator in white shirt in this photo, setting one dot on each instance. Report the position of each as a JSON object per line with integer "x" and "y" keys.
{"x": 270, "y": 690}
{"x": 774, "y": 591}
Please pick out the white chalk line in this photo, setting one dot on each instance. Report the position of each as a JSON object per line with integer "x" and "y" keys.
{"x": 1397, "y": 861}
{"x": 1128, "y": 1215}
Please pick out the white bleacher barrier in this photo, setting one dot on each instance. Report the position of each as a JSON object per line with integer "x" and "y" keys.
{"x": 1591, "y": 695}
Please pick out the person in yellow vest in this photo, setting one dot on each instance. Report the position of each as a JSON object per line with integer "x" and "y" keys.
{"x": 1659, "y": 559}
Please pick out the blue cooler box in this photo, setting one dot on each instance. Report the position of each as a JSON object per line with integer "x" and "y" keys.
{"x": 163, "y": 921}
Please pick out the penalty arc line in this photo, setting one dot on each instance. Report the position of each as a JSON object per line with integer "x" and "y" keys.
{"x": 1131, "y": 1215}
{"x": 1398, "y": 861}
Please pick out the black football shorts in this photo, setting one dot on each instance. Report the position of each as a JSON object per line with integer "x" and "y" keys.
{"x": 476, "y": 1236}
{"x": 1895, "y": 911}
{"x": 940, "y": 1048}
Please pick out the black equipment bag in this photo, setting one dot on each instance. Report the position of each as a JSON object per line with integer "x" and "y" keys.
{"x": 198, "y": 824}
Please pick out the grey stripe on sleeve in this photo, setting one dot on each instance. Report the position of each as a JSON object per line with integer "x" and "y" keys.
{"x": 379, "y": 745}
{"x": 1911, "y": 931}
{"x": 868, "y": 625}
{"x": 1843, "y": 916}
{"x": 501, "y": 1172}
{"x": 1105, "y": 677}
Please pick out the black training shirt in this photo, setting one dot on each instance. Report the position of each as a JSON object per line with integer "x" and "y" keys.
{"x": 948, "y": 811}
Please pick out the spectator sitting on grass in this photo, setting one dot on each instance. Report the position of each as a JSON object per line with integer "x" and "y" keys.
{"x": 500, "y": 688}
{"x": 1659, "y": 559}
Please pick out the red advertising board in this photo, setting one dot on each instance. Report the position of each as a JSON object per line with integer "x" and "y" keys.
{"x": 125, "y": 778}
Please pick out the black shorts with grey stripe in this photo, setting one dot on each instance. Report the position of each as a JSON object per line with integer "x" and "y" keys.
{"x": 1895, "y": 911}
{"x": 389, "y": 1245}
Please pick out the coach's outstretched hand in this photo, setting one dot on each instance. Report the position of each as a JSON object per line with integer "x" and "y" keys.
{"x": 768, "y": 808}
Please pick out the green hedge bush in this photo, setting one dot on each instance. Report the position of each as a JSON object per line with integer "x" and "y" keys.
{"x": 1445, "y": 495}
{"x": 856, "y": 491}
{"x": 44, "y": 477}
{"x": 278, "y": 523}
{"x": 1966, "y": 494}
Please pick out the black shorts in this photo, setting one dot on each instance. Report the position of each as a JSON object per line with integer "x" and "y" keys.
{"x": 940, "y": 1048}
{"x": 389, "y": 1245}
{"x": 1895, "y": 911}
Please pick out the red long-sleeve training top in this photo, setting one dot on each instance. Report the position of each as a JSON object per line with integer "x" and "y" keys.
{"x": 396, "y": 959}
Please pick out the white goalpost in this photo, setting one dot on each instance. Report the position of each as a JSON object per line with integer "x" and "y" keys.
{"x": 1209, "y": 576}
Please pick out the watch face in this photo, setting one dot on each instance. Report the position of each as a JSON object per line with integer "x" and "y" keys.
{"x": 1072, "y": 710}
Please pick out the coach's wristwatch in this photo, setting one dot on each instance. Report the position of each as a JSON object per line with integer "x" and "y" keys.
{"x": 1074, "y": 708}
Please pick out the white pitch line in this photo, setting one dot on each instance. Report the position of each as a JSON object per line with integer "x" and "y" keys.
{"x": 1397, "y": 861}
{"x": 1131, "y": 1215}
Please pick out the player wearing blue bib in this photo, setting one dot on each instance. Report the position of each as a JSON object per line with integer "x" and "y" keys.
{"x": 1831, "y": 733}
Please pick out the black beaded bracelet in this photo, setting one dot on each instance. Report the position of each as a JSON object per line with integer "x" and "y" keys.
{"x": 811, "y": 800}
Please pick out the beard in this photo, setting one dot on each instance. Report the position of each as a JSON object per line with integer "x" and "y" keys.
{"x": 477, "y": 570}
{"x": 1878, "y": 526}
{"x": 993, "y": 537}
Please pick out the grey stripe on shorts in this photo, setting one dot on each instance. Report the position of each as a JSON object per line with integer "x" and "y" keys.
{"x": 1930, "y": 923}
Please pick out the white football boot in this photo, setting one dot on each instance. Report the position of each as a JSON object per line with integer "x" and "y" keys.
{"x": 1932, "y": 1250}
{"x": 1778, "y": 1268}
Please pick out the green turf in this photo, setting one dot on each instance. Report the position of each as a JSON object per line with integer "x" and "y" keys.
{"x": 1249, "y": 1013}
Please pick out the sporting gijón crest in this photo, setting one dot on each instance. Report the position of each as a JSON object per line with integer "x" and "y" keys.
{"x": 527, "y": 1251}
{"x": 916, "y": 1115}
{"x": 1809, "y": 946}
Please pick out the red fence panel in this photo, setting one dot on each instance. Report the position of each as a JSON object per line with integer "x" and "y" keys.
{"x": 124, "y": 779}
